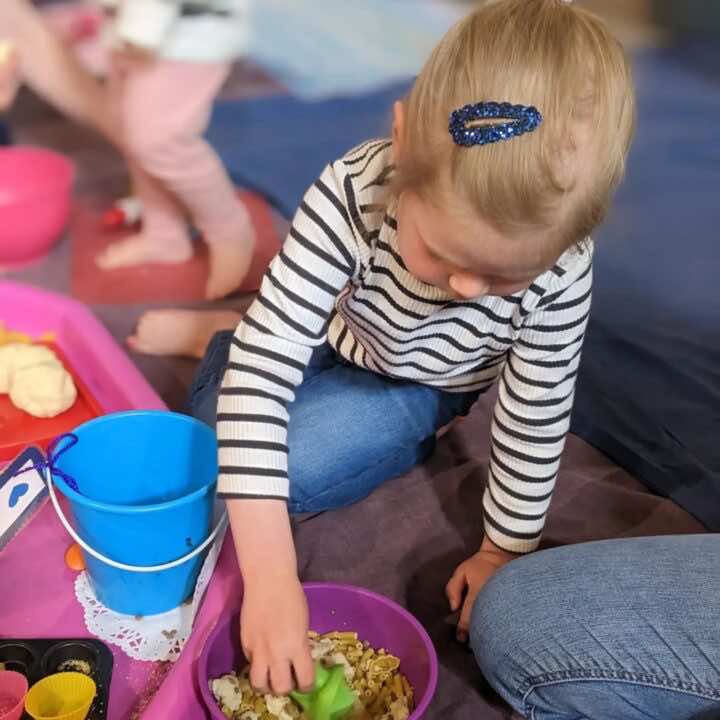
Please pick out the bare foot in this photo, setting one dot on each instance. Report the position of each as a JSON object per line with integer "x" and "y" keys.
{"x": 180, "y": 332}
{"x": 229, "y": 260}
{"x": 141, "y": 250}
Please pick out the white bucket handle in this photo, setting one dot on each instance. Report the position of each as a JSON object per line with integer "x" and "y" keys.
{"x": 222, "y": 523}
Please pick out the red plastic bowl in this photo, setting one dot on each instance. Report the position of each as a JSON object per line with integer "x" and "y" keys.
{"x": 13, "y": 689}
{"x": 35, "y": 192}
{"x": 380, "y": 621}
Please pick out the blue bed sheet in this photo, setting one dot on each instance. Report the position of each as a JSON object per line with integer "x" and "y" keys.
{"x": 279, "y": 145}
{"x": 649, "y": 388}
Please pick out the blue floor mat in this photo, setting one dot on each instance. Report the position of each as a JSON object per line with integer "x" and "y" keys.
{"x": 649, "y": 389}
{"x": 280, "y": 145}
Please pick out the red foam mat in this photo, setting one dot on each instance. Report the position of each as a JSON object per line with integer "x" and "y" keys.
{"x": 156, "y": 283}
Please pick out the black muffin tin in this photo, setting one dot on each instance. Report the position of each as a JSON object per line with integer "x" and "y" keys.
{"x": 36, "y": 659}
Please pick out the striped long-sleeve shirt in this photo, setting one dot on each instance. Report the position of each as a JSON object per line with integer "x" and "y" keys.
{"x": 339, "y": 278}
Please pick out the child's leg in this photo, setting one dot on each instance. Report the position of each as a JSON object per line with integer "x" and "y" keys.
{"x": 349, "y": 431}
{"x": 164, "y": 238}
{"x": 166, "y": 109}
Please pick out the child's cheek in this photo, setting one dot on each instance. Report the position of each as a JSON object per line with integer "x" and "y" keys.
{"x": 418, "y": 263}
{"x": 427, "y": 271}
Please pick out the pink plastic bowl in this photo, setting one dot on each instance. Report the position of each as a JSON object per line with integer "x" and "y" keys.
{"x": 13, "y": 689}
{"x": 35, "y": 192}
{"x": 383, "y": 623}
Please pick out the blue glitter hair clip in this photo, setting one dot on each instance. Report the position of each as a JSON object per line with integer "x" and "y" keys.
{"x": 514, "y": 120}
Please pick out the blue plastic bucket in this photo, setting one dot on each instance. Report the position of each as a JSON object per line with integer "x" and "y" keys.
{"x": 146, "y": 483}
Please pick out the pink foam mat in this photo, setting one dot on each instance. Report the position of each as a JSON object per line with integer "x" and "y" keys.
{"x": 38, "y": 601}
{"x": 179, "y": 695}
{"x": 37, "y": 598}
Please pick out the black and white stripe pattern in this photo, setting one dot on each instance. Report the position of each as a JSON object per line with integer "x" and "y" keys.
{"x": 339, "y": 277}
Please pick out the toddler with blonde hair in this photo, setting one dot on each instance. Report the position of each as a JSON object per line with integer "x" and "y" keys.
{"x": 418, "y": 272}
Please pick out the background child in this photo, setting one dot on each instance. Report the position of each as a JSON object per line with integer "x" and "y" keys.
{"x": 417, "y": 273}
{"x": 170, "y": 61}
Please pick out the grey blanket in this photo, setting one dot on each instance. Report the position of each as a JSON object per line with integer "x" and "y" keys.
{"x": 406, "y": 539}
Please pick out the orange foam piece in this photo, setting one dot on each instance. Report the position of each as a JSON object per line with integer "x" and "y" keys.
{"x": 74, "y": 558}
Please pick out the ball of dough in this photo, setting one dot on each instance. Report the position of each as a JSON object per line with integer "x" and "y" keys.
{"x": 44, "y": 390}
{"x": 17, "y": 356}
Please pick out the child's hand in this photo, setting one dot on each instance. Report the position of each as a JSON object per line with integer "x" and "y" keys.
{"x": 273, "y": 631}
{"x": 274, "y": 617}
{"x": 469, "y": 578}
{"x": 9, "y": 76}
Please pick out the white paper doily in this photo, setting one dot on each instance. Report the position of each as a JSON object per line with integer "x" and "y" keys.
{"x": 153, "y": 637}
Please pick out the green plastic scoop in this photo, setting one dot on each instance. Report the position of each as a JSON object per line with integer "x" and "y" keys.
{"x": 331, "y": 698}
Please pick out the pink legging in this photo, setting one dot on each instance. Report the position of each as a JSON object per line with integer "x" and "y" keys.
{"x": 162, "y": 109}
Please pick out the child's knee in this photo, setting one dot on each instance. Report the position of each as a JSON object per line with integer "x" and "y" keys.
{"x": 208, "y": 377}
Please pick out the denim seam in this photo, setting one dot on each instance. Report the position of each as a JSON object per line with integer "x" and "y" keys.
{"x": 635, "y": 678}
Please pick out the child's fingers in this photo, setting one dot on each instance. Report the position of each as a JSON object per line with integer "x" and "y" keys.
{"x": 8, "y": 80}
{"x": 280, "y": 678}
{"x": 304, "y": 671}
{"x": 463, "y": 627}
{"x": 247, "y": 651}
{"x": 455, "y": 589}
{"x": 11, "y": 64}
{"x": 259, "y": 673}
{"x": 8, "y": 53}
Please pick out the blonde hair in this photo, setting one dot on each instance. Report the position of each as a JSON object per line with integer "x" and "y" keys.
{"x": 546, "y": 53}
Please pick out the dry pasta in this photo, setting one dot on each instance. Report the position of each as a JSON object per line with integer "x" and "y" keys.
{"x": 383, "y": 693}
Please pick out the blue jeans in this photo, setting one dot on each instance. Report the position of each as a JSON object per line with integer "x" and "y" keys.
{"x": 349, "y": 431}
{"x": 614, "y": 630}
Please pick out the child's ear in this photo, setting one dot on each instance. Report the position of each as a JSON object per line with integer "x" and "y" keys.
{"x": 468, "y": 286}
{"x": 398, "y": 129}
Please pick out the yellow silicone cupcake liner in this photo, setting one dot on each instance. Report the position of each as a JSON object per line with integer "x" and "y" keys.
{"x": 63, "y": 696}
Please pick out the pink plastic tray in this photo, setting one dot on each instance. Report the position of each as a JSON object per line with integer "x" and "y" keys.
{"x": 37, "y": 598}
{"x": 107, "y": 372}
